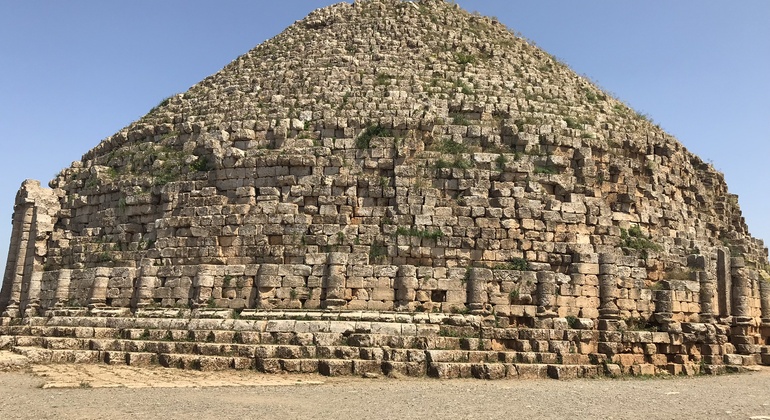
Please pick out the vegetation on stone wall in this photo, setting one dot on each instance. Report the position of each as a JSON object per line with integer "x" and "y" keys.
{"x": 634, "y": 238}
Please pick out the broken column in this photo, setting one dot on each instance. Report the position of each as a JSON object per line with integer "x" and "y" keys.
{"x": 764, "y": 295}
{"x": 664, "y": 312}
{"x": 724, "y": 282}
{"x": 478, "y": 298}
{"x": 708, "y": 288}
{"x": 764, "y": 301}
{"x": 333, "y": 293}
{"x": 608, "y": 289}
{"x": 267, "y": 281}
{"x": 98, "y": 293}
{"x": 31, "y": 295}
{"x": 741, "y": 291}
{"x": 203, "y": 285}
{"x": 406, "y": 287}
{"x": 34, "y": 217}
{"x": 146, "y": 284}
{"x": 707, "y": 294}
{"x": 63, "y": 288}
{"x": 546, "y": 294}
{"x": 742, "y": 326}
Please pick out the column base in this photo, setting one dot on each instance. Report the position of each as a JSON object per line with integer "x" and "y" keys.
{"x": 611, "y": 324}
{"x": 12, "y": 311}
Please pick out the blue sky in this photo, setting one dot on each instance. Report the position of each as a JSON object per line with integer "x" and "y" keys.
{"x": 74, "y": 72}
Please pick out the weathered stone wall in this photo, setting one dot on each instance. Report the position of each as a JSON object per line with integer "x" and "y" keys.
{"x": 394, "y": 156}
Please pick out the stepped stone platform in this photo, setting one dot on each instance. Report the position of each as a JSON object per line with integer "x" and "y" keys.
{"x": 367, "y": 344}
{"x": 390, "y": 187}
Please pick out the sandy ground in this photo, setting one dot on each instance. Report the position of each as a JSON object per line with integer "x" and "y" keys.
{"x": 121, "y": 392}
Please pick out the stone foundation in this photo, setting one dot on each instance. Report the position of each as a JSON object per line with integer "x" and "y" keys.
{"x": 407, "y": 158}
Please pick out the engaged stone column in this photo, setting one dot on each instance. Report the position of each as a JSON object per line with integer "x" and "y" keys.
{"x": 333, "y": 293}
{"x": 98, "y": 295}
{"x": 145, "y": 285}
{"x": 764, "y": 294}
{"x": 546, "y": 294}
{"x": 31, "y": 299}
{"x": 478, "y": 297}
{"x": 63, "y": 288}
{"x": 708, "y": 288}
{"x": 707, "y": 293}
{"x": 724, "y": 283}
{"x": 741, "y": 292}
{"x": 12, "y": 283}
{"x": 34, "y": 215}
{"x": 203, "y": 283}
{"x": 664, "y": 305}
{"x": 608, "y": 287}
{"x": 267, "y": 281}
{"x": 405, "y": 285}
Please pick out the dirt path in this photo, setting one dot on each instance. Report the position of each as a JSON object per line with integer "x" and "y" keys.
{"x": 112, "y": 392}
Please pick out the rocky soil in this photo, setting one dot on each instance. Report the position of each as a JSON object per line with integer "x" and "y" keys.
{"x": 110, "y": 392}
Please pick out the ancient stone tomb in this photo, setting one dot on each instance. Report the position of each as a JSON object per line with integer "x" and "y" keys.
{"x": 415, "y": 163}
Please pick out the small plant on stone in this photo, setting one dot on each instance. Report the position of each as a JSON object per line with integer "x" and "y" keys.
{"x": 162, "y": 103}
{"x": 656, "y": 286}
{"x": 501, "y": 160}
{"x": 227, "y": 280}
{"x": 572, "y": 123}
{"x": 467, "y": 276}
{"x": 104, "y": 257}
{"x": 633, "y": 238}
{"x": 201, "y": 164}
{"x": 545, "y": 170}
{"x": 639, "y": 324}
{"x": 572, "y": 321}
{"x": 382, "y": 79}
{"x": 679, "y": 274}
{"x": 377, "y": 250}
{"x": 363, "y": 140}
{"x": 516, "y": 264}
{"x": 419, "y": 233}
{"x": 464, "y": 58}
{"x": 452, "y": 147}
{"x": 513, "y": 295}
{"x": 464, "y": 88}
{"x": 460, "y": 119}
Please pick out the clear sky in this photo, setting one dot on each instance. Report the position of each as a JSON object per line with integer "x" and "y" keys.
{"x": 74, "y": 72}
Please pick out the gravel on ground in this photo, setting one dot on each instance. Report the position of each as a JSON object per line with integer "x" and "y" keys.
{"x": 122, "y": 392}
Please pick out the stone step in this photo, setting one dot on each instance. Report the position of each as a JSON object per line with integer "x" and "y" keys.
{"x": 41, "y": 355}
{"x": 269, "y": 359}
{"x": 229, "y": 324}
{"x": 101, "y": 315}
{"x": 298, "y": 351}
{"x": 491, "y": 371}
{"x": 204, "y": 363}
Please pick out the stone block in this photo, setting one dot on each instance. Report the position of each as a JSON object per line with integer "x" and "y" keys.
{"x": 564, "y": 371}
{"x": 488, "y": 371}
{"x": 532, "y": 371}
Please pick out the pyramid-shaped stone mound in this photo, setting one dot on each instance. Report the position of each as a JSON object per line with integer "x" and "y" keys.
{"x": 395, "y": 156}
